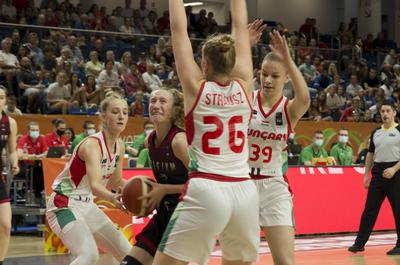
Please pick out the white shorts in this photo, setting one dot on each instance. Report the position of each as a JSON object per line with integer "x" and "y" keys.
{"x": 88, "y": 212}
{"x": 208, "y": 209}
{"x": 276, "y": 204}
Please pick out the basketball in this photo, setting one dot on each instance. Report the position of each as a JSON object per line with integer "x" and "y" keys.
{"x": 134, "y": 189}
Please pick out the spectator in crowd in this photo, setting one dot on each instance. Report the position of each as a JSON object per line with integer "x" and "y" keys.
{"x": 386, "y": 72}
{"x": 58, "y": 95}
{"x": 50, "y": 62}
{"x": 66, "y": 63}
{"x": 31, "y": 148}
{"x": 372, "y": 81}
{"x": 11, "y": 107}
{"x": 143, "y": 11}
{"x": 30, "y": 84}
{"x": 342, "y": 151}
{"x": 138, "y": 142}
{"x": 57, "y": 137}
{"x": 387, "y": 88}
{"x": 323, "y": 108}
{"x": 342, "y": 94}
{"x": 99, "y": 48}
{"x": 92, "y": 96}
{"x": 76, "y": 52}
{"x": 137, "y": 107}
{"x": 353, "y": 88}
{"x": 108, "y": 79}
{"x": 163, "y": 22}
{"x": 8, "y": 64}
{"x": 333, "y": 102}
{"x": 15, "y": 41}
{"x": 396, "y": 73}
{"x": 368, "y": 44}
{"x": 355, "y": 106}
{"x": 89, "y": 128}
{"x": 212, "y": 23}
{"x": 8, "y": 11}
{"x": 367, "y": 116}
{"x": 83, "y": 22}
{"x": 150, "y": 23}
{"x": 314, "y": 112}
{"x": 332, "y": 70}
{"x": 110, "y": 56}
{"x": 70, "y": 135}
{"x": 151, "y": 79}
{"x": 323, "y": 79}
{"x": 127, "y": 28}
{"x": 35, "y": 51}
{"x": 391, "y": 58}
{"x": 314, "y": 150}
{"x": 127, "y": 11}
{"x": 308, "y": 70}
{"x": 133, "y": 83}
{"x": 94, "y": 66}
{"x": 126, "y": 61}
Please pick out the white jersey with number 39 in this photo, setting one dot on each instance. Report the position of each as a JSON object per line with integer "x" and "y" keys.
{"x": 268, "y": 133}
{"x": 216, "y": 129}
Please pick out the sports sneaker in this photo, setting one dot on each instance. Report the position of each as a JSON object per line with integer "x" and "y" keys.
{"x": 355, "y": 249}
{"x": 394, "y": 251}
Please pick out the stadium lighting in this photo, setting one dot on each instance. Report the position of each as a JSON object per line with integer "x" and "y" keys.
{"x": 194, "y": 4}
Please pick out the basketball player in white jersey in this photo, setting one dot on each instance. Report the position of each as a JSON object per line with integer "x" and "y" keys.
{"x": 274, "y": 117}
{"x": 95, "y": 162}
{"x": 219, "y": 199}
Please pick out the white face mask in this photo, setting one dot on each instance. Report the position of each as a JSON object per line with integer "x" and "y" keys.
{"x": 343, "y": 138}
{"x": 291, "y": 136}
{"x": 148, "y": 131}
{"x": 319, "y": 142}
{"x": 90, "y": 131}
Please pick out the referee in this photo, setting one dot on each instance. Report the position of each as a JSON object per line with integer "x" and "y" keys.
{"x": 384, "y": 159}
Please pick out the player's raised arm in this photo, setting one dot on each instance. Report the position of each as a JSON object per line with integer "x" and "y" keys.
{"x": 243, "y": 68}
{"x": 189, "y": 72}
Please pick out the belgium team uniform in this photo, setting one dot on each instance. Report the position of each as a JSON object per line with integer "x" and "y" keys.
{"x": 220, "y": 198}
{"x": 167, "y": 169}
{"x": 4, "y": 134}
{"x": 268, "y": 134}
{"x": 385, "y": 145}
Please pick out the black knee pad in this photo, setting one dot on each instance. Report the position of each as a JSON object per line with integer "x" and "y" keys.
{"x": 129, "y": 260}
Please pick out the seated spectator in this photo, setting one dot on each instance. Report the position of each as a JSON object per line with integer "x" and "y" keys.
{"x": 36, "y": 52}
{"x": 308, "y": 70}
{"x": 342, "y": 95}
{"x": 314, "y": 150}
{"x": 355, "y": 106}
{"x": 11, "y": 107}
{"x": 92, "y": 96}
{"x": 16, "y": 41}
{"x": 137, "y": 107}
{"x": 58, "y": 95}
{"x": 363, "y": 154}
{"x": 396, "y": 72}
{"x": 50, "y": 62}
{"x": 143, "y": 160}
{"x": 151, "y": 79}
{"x": 30, "y": 84}
{"x": 75, "y": 51}
{"x": 70, "y": 135}
{"x": 367, "y": 116}
{"x": 57, "y": 137}
{"x": 8, "y": 64}
{"x": 324, "y": 110}
{"x": 110, "y": 56}
{"x": 372, "y": 81}
{"x": 31, "y": 148}
{"x": 89, "y": 128}
{"x": 356, "y": 116}
{"x": 108, "y": 79}
{"x": 342, "y": 152}
{"x": 66, "y": 62}
{"x": 353, "y": 88}
{"x": 332, "y": 70}
{"x": 126, "y": 61}
{"x": 387, "y": 88}
{"x": 127, "y": 28}
{"x": 212, "y": 23}
{"x": 142, "y": 63}
{"x": 368, "y": 44}
{"x": 163, "y": 22}
{"x": 391, "y": 58}
{"x": 386, "y": 72}
{"x": 333, "y": 102}
{"x": 314, "y": 111}
{"x": 150, "y": 23}
{"x": 94, "y": 66}
{"x": 323, "y": 79}
{"x": 138, "y": 142}
{"x": 133, "y": 83}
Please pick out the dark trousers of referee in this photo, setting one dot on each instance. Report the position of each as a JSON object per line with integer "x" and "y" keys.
{"x": 379, "y": 189}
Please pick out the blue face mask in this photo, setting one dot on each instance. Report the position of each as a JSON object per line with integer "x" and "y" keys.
{"x": 343, "y": 139}
{"x": 34, "y": 134}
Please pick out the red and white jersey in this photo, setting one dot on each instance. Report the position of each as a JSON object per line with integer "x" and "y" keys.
{"x": 73, "y": 179}
{"x": 216, "y": 129}
{"x": 268, "y": 134}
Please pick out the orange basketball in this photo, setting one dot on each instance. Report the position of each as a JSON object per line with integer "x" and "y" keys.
{"x": 135, "y": 188}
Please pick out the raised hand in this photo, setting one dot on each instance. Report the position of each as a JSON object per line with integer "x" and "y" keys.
{"x": 256, "y": 29}
{"x": 279, "y": 46}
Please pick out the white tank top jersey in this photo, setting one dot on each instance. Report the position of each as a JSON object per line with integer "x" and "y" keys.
{"x": 216, "y": 130}
{"x": 268, "y": 134}
{"x": 73, "y": 179}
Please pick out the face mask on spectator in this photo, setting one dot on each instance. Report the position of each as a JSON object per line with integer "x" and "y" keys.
{"x": 60, "y": 132}
{"x": 148, "y": 131}
{"x": 318, "y": 142}
{"x": 343, "y": 139}
{"x": 90, "y": 131}
{"x": 291, "y": 136}
{"x": 34, "y": 134}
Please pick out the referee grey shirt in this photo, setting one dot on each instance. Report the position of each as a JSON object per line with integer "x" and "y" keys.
{"x": 385, "y": 144}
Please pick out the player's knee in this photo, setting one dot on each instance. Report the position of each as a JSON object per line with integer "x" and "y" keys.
{"x": 5, "y": 227}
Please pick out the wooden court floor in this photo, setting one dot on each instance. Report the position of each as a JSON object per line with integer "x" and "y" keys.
{"x": 29, "y": 251}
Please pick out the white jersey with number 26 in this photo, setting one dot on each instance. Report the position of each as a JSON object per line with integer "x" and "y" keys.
{"x": 216, "y": 129}
{"x": 268, "y": 133}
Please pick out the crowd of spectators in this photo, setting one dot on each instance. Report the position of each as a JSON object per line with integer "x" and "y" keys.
{"x": 64, "y": 71}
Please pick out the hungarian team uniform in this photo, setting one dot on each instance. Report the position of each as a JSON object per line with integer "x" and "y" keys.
{"x": 4, "y": 134}
{"x": 72, "y": 199}
{"x": 167, "y": 169}
{"x": 268, "y": 134}
{"x": 219, "y": 196}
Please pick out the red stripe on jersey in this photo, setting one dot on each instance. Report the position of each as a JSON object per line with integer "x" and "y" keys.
{"x": 4, "y": 201}
{"x": 215, "y": 177}
{"x": 60, "y": 201}
{"x": 189, "y": 123}
{"x": 271, "y": 110}
{"x": 287, "y": 118}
